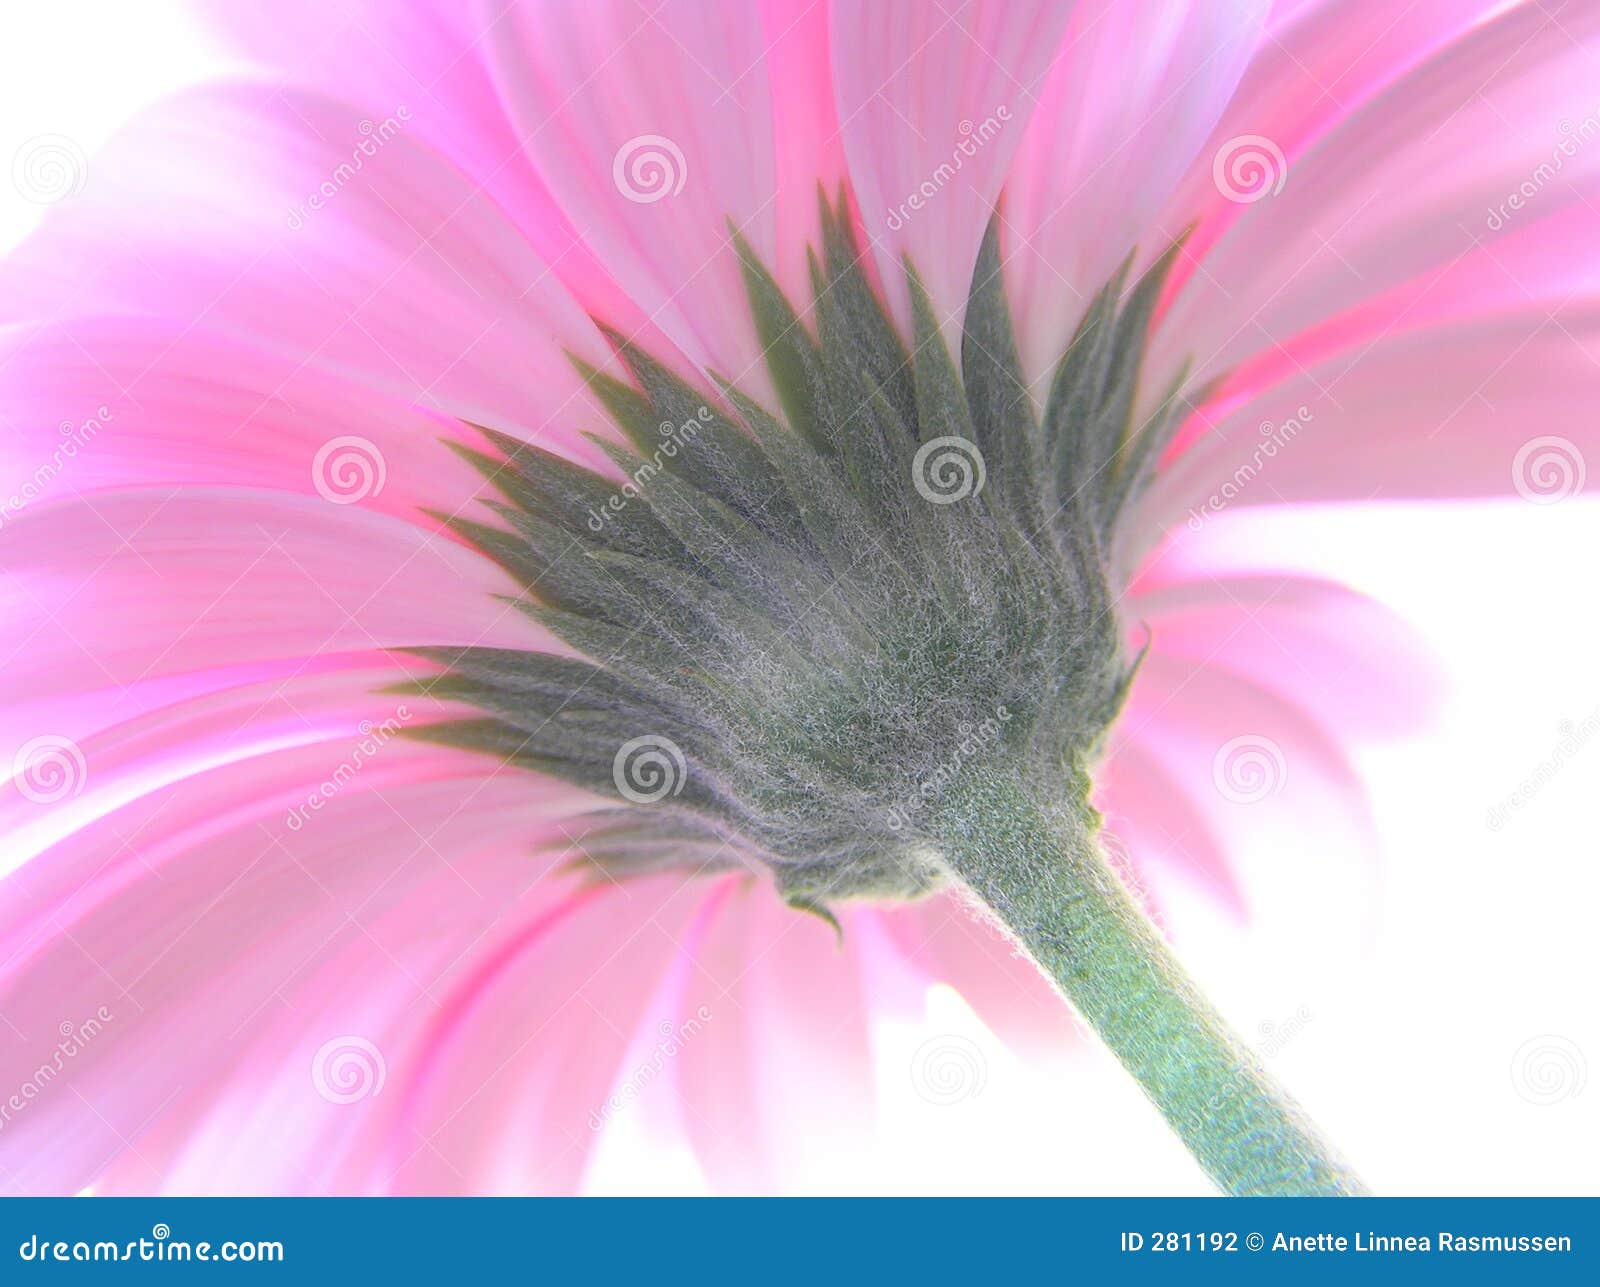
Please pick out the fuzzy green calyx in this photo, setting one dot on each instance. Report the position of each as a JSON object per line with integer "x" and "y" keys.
{"x": 799, "y": 621}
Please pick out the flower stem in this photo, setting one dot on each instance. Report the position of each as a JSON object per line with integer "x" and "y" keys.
{"x": 1041, "y": 871}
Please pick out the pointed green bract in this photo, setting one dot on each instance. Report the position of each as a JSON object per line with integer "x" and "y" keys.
{"x": 799, "y": 617}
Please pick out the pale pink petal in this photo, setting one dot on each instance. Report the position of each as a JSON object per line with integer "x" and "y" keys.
{"x": 1504, "y": 408}
{"x": 1282, "y": 659}
{"x": 1320, "y": 61}
{"x": 101, "y": 594}
{"x": 947, "y": 941}
{"x": 934, "y": 100}
{"x": 1416, "y": 177}
{"x": 1531, "y": 265}
{"x": 1135, "y": 91}
{"x": 308, "y": 229}
{"x": 1253, "y": 765}
{"x": 789, "y": 1001}
{"x": 502, "y": 1086}
{"x": 654, "y": 127}
{"x": 195, "y": 908}
{"x": 155, "y": 735}
{"x": 433, "y": 60}
{"x": 1160, "y": 834}
{"x": 117, "y": 402}
{"x": 1349, "y": 661}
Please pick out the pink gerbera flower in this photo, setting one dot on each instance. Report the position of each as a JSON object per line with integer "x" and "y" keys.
{"x": 540, "y": 534}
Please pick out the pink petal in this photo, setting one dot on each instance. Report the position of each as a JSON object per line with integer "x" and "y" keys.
{"x": 505, "y": 1085}
{"x": 1256, "y": 768}
{"x": 106, "y": 593}
{"x": 934, "y": 101}
{"x": 1440, "y": 412}
{"x": 134, "y": 402}
{"x": 949, "y": 942}
{"x": 654, "y": 127}
{"x": 1321, "y": 61}
{"x": 194, "y": 909}
{"x": 1135, "y": 91}
{"x": 1160, "y": 835}
{"x": 1349, "y": 661}
{"x": 789, "y": 1002}
{"x": 1353, "y": 219}
{"x": 313, "y": 232}
{"x": 433, "y": 60}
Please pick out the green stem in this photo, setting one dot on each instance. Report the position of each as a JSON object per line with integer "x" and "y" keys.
{"x": 1042, "y": 873}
